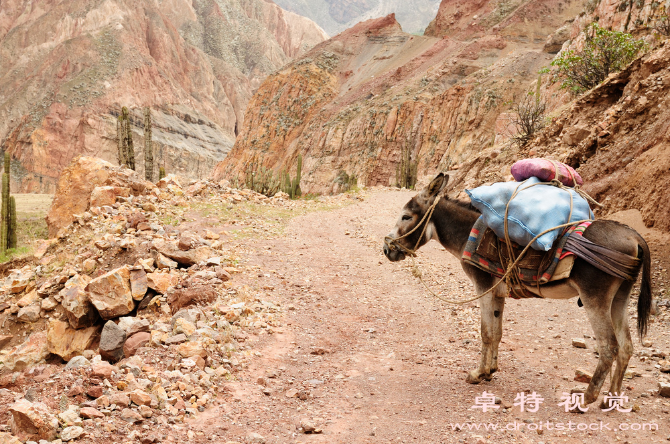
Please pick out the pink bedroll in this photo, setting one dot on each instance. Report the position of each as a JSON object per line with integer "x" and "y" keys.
{"x": 545, "y": 170}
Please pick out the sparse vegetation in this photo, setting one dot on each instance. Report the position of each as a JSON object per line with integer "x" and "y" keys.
{"x": 407, "y": 169}
{"x": 261, "y": 179}
{"x": 148, "y": 147}
{"x": 8, "y": 222}
{"x": 124, "y": 137}
{"x": 347, "y": 182}
{"x": 604, "y": 52}
{"x": 527, "y": 117}
{"x": 662, "y": 26}
{"x": 292, "y": 187}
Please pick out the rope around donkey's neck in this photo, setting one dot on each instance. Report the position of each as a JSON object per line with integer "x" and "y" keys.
{"x": 392, "y": 243}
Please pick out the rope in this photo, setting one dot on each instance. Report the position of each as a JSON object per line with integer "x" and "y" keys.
{"x": 510, "y": 277}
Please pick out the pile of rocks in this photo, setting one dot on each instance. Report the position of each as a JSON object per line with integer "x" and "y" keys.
{"x": 143, "y": 314}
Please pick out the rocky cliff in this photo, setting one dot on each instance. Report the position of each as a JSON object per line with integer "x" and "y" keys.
{"x": 355, "y": 102}
{"x": 617, "y": 133}
{"x": 336, "y": 16}
{"x": 69, "y": 66}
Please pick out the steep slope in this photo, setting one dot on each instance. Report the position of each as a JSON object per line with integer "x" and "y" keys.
{"x": 355, "y": 102}
{"x": 617, "y": 133}
{"x": 337, "y": 15}
{"x": 69, "y": 66}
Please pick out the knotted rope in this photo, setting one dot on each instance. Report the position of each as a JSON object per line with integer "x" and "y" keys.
{"x": 511, "y": 276}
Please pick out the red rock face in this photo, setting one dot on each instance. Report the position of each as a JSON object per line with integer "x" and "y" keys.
{"x": 69, "y": 66}
{"x": 355, "y": 102}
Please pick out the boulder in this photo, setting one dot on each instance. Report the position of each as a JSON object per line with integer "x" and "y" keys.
{"x": 77, "y": 182}
{"x": 131, "y": 416}
{"x": 103, "y": 370}
{"x": 136, "y": 341}
{"x": 138, "y": 284}
{"x": 185, "y": 297}
{"x": 192, "y": 349}
{"x": 184, "y": 258}
{"x": 66, "y": 342}
{"x": 19, "y": 281}
{"x": 160, "y": 282}
{"x": 78, "y": 308}
{"x": 29, "y": 299}
{"x": 110, "y": 293}
{"x": 33, "y": 351}
{"x": 91, "y": 413}
{"x": 125, "y": 323}
{"x": 112, "y": 339}
{"x": 29, "y": 314}
{"x": 140, "y": 397}
{"x": 32, "y": 421}
{"x": 70, "y": 433}
{"x": 7, "y": 438}
{"x": 101, "y": 196}
{"x": 138, "y": 326}
{"x": 163, "y": 262}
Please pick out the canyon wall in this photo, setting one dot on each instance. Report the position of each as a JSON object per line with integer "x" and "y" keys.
{"x": 354, "y": 102}
{"x": 68, "y": 67}
{"x": 335, "y": 16}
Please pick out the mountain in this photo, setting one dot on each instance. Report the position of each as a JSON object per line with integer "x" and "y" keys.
{"x": 354, "y": 103}
{"x": 334, "y": 16}
{"x": 68, "y": 67}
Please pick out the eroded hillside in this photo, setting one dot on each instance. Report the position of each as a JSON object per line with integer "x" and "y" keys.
{"x": 355, "y": 102}
{"x": 69, "y": 67}
{"x": 336, "y": 16}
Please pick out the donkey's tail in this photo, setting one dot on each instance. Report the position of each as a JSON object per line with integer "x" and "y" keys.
{"x": 644, "y": 300}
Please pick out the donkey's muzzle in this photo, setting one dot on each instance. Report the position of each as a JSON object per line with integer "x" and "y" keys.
{"x": 393, "y": 254}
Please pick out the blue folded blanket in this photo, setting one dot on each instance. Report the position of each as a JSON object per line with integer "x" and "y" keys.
{"x": 533, "y": 210}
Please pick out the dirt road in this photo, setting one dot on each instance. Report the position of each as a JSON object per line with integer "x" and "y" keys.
{"x": 367, "y": 356}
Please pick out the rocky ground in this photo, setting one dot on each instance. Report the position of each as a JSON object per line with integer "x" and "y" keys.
{"x": 270, "y": 320}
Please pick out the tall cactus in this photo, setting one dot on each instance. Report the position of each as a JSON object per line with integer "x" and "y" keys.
{"x": 291, "y": 186}
{"x": 4, "y": 215}
{"x": 148, "y": 147}
{"x": 161, "y": 173}
{"x": 120, "y": 139}
{"x": 127, "y": 140}
{"x": 11, "y": 235}
{"x": 297, "y": 192}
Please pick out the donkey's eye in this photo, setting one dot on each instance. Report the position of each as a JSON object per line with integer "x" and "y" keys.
{"x": 406, "y": 217}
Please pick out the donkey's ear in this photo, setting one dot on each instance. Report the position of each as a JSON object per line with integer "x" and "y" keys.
{"x": 436, "y": 185}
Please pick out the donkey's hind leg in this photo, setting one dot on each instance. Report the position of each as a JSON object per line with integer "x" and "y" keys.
{"x": 491, "y": 331}
{"x": 598, "y": 305}
{"x": 622, "y": 332}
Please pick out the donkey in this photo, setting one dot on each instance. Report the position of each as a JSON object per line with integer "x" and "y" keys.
{"x": 605, "y": 297}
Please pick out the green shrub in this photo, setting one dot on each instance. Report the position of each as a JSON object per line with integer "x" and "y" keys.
{"x": 604, "y": 52}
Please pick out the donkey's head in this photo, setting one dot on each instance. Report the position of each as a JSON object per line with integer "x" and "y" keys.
{"x": 409, "y": 233}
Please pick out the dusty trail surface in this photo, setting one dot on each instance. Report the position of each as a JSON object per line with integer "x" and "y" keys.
{"x": 364, "y": 355}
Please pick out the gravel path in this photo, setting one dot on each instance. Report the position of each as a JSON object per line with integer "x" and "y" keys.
{"x": 365, "y": 355}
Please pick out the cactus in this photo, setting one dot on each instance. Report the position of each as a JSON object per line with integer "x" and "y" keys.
{"x": 407, "y": 169}
{"x": 11, "y": 235}
{"x": 292, "y": 187}
{"x": 296, "y": 182}
{"x": 8, "y": 213}
{"x": 161, "y": 173}
{"x": 148, "y": 147}
{"x": 4, "y": 215}
{"x": 120, "y": 138}
{"x": 126, "y": 140}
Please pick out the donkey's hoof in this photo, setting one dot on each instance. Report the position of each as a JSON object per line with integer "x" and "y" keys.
{"x": 577, "y": 409}
{"x": 474, "y": 377}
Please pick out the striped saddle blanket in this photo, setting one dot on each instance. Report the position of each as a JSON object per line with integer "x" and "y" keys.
{"x": 488, "y": 252}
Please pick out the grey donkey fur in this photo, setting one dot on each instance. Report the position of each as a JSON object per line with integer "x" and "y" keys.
{"x": 605, "y": 297}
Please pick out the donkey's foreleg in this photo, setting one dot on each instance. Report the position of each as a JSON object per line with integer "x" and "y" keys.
{"x": 491, "y": 331}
